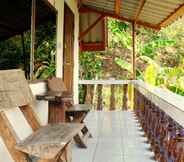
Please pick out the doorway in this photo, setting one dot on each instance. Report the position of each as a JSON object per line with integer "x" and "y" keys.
{"x": 68, "y": 56}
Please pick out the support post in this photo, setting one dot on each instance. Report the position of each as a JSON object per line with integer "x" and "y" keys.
{"x": 133, "y": 52}
{"x": 33, "y": 33}
{"x": 133, "y": 62}
{"x": 24, "y": 55}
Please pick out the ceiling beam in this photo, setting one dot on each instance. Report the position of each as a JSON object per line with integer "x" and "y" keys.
{"x": 86, "y": 9}
{"x": 117, "y": 7}
{"x": 82, "y": 34}
{"x": 139, "y": 9}
{"x": 173, "y": 16}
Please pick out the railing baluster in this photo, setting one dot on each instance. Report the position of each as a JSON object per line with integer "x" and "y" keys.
{"x": 99, "y": 97}
{"x": 125, "y": 97}
{"x": 112, "y": 98}
{"x": 89, "y": 94}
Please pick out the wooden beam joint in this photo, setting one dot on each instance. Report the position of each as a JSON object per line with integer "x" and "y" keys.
{"x": 82, "y": 34}
{"x": 86, "y": 9}
{"x": 117, "y": 7}
{"x": 138, "y": 12}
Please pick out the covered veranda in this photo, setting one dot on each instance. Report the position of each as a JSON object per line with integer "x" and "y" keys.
{"x": 143, "y": 134}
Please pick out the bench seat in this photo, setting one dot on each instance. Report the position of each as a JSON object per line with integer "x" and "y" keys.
{"x": 48, "y": 141}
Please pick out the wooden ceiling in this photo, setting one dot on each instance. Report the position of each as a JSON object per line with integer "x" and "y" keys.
{"x": 15, "y": 16}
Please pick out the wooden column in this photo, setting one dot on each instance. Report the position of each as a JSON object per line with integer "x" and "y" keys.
{"x": 99, "y": 95}
{"x": 33, "y": 33}
{"x": 133, "y": 52}
{"x": 125, "y": 97}
{"x": 24, "y": 55}
{"x": 112, "y": 98}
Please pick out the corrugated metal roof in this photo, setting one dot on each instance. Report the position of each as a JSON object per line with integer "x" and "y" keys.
{"x": 154, "y": 13}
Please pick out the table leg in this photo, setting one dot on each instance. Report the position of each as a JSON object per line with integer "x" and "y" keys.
{"x": 56, "y": 112}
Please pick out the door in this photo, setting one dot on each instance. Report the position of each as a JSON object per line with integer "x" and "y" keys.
{"x": 68, "y": 57}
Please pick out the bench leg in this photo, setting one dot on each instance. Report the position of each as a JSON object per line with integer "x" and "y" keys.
{"x": 43, "y": 160}
{"x": 79, "y": 140}
{"x": 64, "y": 156}
{"x": 85, "y": 130}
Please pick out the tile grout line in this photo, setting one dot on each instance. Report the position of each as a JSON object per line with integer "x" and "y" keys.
{"x": 97, "y": 143}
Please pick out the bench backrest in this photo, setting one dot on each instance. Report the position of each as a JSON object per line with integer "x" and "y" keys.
{"x": 15, "y": 93}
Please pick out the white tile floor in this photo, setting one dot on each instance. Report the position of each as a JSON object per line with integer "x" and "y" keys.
{"x": 117, "y": 137}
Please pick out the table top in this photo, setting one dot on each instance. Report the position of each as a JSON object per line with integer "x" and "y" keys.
{"x": 54, "y": 96}
{"x": 48, "y": 141}
{"x": 79, "y": 108}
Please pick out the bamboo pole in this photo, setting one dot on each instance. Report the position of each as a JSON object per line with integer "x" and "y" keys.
{"x": 33, "y": 34}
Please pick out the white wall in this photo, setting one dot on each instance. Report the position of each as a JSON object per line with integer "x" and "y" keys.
{"x": 4, "y": 154}
{"x": 72, "y": 4}
{"x": 41, "y": 107}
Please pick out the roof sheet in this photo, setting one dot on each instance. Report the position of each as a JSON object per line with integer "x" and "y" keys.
{"x": 153, "y": 13}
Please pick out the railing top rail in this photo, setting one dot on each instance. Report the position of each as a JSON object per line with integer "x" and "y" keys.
{"x": 105, "y": 82}
{"x": 170, "y": 103}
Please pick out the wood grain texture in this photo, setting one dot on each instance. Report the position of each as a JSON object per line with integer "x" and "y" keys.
{"x": 48, "y": 141}
{"x": 68, "y": 58}
{"x": 31, "y": 117}
{"x": 80, "y": 108}
{"x": 14, "y": 89}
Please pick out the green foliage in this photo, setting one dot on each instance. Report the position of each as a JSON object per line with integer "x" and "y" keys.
{"x": 123, "y": 64}
{"x": 12, "y": 56}
{"x": 150, "y": 74}
{"x": 90, "y": 65}
{"x": 149, "y": 48}
{"x": 118, "y": 35}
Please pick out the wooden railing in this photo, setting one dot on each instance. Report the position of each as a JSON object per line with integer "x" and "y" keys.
{"x": 159, "y": 112}
{"x": 170, "y": 103}
{"x": 100, "y": 84}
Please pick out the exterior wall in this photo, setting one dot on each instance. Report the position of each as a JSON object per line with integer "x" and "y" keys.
{"x": 4, "y": 154}
{"x": 41, "y": 107}
{"x": 72, "y": 4}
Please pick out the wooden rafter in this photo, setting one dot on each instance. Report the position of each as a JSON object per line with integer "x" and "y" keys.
{"x": 86, "y": 9}
{"x": 82, "y": 34}
{"x": 139, "y": 9}
{"x": 117, "y": 7}
{"x": 173, "y": 16}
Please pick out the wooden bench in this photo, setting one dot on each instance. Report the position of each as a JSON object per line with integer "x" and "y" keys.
{"x": 21, "y": 136}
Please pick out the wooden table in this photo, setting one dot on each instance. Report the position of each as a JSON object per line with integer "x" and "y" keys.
{"x": 48, "y": 141}
{"x": 56, "y": 105}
